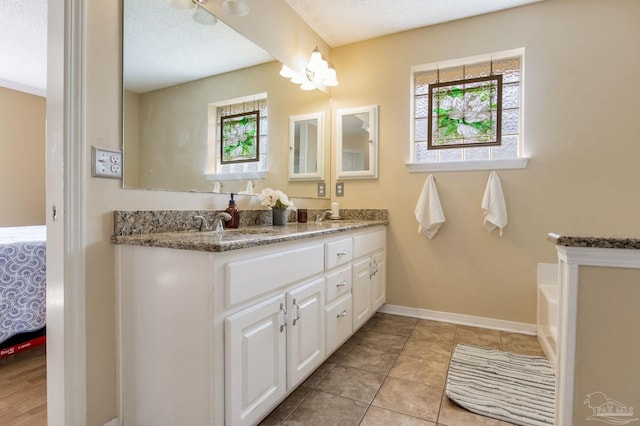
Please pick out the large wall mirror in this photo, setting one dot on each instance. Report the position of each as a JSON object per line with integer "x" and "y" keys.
{"x": 357, "y": 143}
{"x": 179, "y": 66}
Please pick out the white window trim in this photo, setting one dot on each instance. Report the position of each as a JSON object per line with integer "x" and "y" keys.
{"x": 450, "y": 166}
{"x": 454, "y": 166}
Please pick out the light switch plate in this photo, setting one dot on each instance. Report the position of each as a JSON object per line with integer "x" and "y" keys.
{"x": 322, "y": 190}
{"x": 106, "y": 163}
{"x": 339, "y": 189}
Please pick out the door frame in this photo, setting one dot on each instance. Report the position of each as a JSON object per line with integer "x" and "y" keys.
{"x": 65, "y": 180}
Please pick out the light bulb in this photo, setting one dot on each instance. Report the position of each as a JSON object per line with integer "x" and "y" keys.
{"x": 307, "y": 85}
{"x": 331, "y": 79}
{"x": 315, "y": 62}
{"x": 286, "y": 72}
{"x": 296, "y": 79}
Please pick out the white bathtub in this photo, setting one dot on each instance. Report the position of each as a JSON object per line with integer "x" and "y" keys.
{"x": 547, "y": 321}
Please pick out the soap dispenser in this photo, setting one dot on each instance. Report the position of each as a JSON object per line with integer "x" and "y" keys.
{"x": 235, "y": 214}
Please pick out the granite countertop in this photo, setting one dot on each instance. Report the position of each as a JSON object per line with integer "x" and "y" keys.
{"x": 243, "y": 237}
{"x": 595, "y": 242}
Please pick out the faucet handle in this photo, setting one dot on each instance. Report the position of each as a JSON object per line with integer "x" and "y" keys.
{"x": 203, "y": 223}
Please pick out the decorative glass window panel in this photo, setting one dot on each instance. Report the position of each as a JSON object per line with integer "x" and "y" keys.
{"x": 229, "y": 108}
{"x": 426, "y": 78}
{"x": 240, "y": 138}
{"x": 465, "y": 112}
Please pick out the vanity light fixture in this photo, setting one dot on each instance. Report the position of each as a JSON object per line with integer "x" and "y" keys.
{"x": 318, "y": 72}
{"x": 203, "y": 16}
{"x": 236, "y": 7}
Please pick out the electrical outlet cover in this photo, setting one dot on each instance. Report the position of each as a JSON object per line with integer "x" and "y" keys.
{"x": 106, "y": 163}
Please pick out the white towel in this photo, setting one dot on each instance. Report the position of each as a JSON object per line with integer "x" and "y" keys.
{"x": 248, "y": 190}
{"x": 428, "y": 210}
{"x": 217, "y": 187}
{"x": 493, "y": 204}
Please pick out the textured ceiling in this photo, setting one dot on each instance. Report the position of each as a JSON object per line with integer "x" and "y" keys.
{"x": 340, "y": 22}
{"x": 171, "y": 47}
{"x": 165, "y": 46}
{"x": 23, "y": 45}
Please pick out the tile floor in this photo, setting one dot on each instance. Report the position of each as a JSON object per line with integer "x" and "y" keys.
{"x": 392, "y": 372}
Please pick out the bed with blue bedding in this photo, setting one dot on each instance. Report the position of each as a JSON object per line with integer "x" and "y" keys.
{"x": 22, "y": 287}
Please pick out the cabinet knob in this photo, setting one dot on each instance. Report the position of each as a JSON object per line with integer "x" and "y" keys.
{"x": 342, "y": 284}
{"x": 342, "y": 314}
{"x": 341, "y": 253}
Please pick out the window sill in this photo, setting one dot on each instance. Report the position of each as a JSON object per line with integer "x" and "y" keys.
{"x": 232, "y": 176}
{"x": 458, "y": 166}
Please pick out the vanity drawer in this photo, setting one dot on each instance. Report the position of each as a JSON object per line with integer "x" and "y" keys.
{"x": 338, "y": 317}
{"x": 369, "y": 242}
{"x": 338, "y": 283}
{"x": 338, "y": 252}
{"x": 246, "y": 279}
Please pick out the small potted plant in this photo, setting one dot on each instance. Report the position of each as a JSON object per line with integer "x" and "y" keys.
{"x": 279, "y": 204}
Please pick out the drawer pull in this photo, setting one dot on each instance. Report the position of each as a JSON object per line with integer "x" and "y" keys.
{"x": 342, "y": 284}
{"x": 295, "y": 320}
{"x": 342, "y": 314}
{"x": 284, "y": 324}
{"x": 341, "y": 253}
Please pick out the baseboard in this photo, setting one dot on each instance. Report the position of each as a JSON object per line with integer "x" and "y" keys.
{"x": 494, "y": 324}
{"x": 113, "y": 422}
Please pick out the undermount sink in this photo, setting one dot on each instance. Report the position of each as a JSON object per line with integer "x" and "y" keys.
{"x": 239, "y": 234}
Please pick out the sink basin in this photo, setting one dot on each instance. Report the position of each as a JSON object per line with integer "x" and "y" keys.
{"x": 239, "y": 234}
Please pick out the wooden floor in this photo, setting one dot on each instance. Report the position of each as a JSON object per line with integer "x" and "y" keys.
{"x": 23, "y": 388}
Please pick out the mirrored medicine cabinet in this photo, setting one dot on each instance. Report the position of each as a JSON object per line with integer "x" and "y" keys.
{"x": 357, "y": 143}
{"x": 306, "y": 147}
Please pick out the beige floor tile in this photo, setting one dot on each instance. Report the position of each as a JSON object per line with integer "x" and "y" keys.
{"x": 392, "y": 324}
{"x": 420, "y": 370}
{"x": 369, "y": 359}
{"x": 521, "y": 344}
{"x": 383, "y": 341}
{"x": 410, "y": 398}
{"x": 286, "y": 407}
{"x": 339, "y": 353}
{"x": 380, "y": 417}
{"x": 352, "y": 383}
{"x": 322, "y": 409}
{"x": 428, "y": 349}
{"x": 479, "y": 337}
{"x": 318, "y": 375}
{"x": 452, "y": 414}
{"x": 444, "y": 326}
{"x": 426, "y": 331}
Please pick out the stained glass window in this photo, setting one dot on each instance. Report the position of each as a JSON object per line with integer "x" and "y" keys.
{"x": 472, "y": 107}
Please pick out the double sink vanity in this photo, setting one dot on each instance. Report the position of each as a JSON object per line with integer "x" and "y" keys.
{"x": 219, "y": 327}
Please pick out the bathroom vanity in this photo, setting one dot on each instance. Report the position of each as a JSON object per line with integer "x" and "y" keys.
{"x": 217, "y": 328}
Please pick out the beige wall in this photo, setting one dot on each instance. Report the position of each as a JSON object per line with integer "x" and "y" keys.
{"x": 581, "y": 64}
{"x": 22, "y": 158}
{"x": 582, "y": 177}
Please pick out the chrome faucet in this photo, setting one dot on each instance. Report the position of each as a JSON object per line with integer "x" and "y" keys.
{"x": 322, "y": 216}
{"x": 216, "y": 224}
{"x": 217, "y": 220}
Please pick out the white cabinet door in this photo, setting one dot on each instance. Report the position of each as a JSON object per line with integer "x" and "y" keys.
{"x": 339, "y": 320}
{"x": 255, "y": 361}
{"x": 361, "y": 289}
{"x": 379, "y": 285}
{"x": 305, "y": 334}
